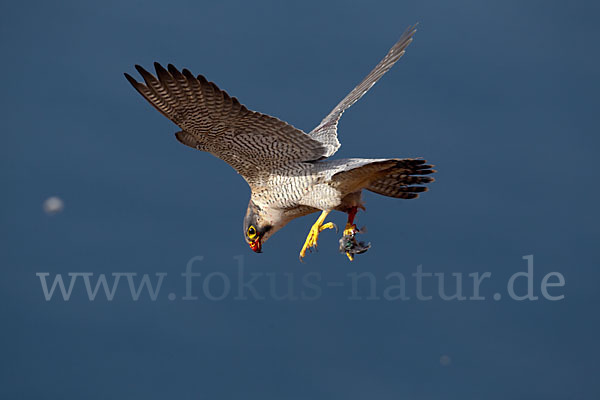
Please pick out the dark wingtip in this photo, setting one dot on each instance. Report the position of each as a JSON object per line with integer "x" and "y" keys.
{"x": 172, "y": 68}
{"x": 159, "y": 68}
{"x": 131, "y": 79}
{"x": 139, "y": 68}
{"x": 186, "y": 72}
{"x": 175, "y": 72}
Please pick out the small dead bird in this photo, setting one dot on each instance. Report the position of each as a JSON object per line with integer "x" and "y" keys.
{"x": 349, "y": 244}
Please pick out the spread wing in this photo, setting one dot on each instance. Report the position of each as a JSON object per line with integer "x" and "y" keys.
{"x": 252, "y": 143}
{"x": 326, "y": 132}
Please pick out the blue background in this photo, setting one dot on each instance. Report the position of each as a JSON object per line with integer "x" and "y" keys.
{"x": 501, "y": 96}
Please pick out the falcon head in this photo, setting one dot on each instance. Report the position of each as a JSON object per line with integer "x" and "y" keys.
{"x": 258, "y": 226}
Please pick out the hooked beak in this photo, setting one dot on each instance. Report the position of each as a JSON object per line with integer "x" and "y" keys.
{"x": 255, "y": 245}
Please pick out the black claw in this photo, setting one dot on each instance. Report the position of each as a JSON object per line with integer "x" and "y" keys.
{"x": 336, "y": 228}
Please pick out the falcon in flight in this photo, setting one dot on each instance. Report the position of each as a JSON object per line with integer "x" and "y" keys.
{"x": 290, "y": 172}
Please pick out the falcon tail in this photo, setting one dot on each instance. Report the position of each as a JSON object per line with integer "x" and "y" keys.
{"x": 403, "y": 180}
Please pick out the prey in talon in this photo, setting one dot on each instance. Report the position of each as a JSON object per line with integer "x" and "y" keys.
{"x": 290, "y": 172}
{"x": 349, "y": 244}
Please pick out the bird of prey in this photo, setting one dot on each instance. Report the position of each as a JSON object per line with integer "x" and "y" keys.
{"x": 289, "y": 171}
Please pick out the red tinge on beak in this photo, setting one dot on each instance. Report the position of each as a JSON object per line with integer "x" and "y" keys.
{"x": 256, "y": 246}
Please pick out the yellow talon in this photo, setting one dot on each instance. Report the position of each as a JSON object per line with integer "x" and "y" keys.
{"x": 313, "y": 234}
{"x": 350, "y": 256}
{"x": 329, "y": 225}
{"x": 350, "y": 229}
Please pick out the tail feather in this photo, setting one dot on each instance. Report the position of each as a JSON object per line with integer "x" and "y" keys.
{"x": 399, "y": 180}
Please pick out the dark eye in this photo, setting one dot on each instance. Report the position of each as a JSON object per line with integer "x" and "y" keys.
{"x": 251, "y": 232}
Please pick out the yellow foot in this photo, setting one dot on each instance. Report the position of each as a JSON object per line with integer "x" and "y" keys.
{"x": 313, "y": 235}
{"x": 350, "y": 256}
{"x": 350, "y": 229}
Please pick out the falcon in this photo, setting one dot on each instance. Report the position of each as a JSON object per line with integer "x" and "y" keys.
{"x": 289, "y": 172}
